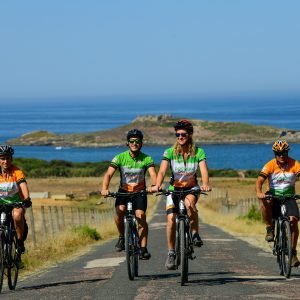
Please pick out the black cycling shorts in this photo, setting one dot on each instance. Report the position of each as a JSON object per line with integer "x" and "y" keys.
{"x": 292, "y": 209}
{"x": 139, "y": 202}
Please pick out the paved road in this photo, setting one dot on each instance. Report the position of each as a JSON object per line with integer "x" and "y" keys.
{"x": 225, "y": 268}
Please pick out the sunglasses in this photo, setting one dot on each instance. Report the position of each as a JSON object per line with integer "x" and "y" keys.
{"x": 135, "y": 141}
{"x": 283, "y": 153}
{"x": 181, "y": 134}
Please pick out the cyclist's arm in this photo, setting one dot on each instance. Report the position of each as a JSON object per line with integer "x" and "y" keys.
{"x": 153, "y": 176}
{"x": 106, "y": 180}
{"x": 161, "y": 175}
{"x": 24, "y": 189}
{"x": 258, "y": 187}
{"x": 204, "y": 176}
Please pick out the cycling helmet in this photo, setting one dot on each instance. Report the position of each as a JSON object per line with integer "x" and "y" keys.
{"x": 6, "y": 150}
{"x": 134, "y": 133}
{"x": 280, "y": 145}
{"x": 184, "y": 124}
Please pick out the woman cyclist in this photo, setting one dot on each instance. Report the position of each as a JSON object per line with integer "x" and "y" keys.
{"x": 281, "y": 172}
{"x": 13, "y": 188}
{"x": 183, "y": 158}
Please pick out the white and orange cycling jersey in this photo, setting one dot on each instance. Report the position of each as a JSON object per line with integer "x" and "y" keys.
{"x": 281, "y": 180}
{"x": 9, "y": 185}
{"x": 184, "y": 173}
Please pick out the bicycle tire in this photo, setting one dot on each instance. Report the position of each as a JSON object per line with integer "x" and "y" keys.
{"x": 183, "y": 253}
{"x": 286, "y": 249}
{"x": 276, "y": 246}
{"x": 129, "y": 249}
{"x": 1, "y": 260}
{"x": 13, "y": 262}
{"x": 136, "y": 253}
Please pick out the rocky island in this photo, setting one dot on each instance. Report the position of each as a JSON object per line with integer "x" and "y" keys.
{"x": 158, "y": 130}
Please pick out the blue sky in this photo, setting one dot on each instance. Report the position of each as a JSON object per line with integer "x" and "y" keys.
{"x": 167, "y": 48}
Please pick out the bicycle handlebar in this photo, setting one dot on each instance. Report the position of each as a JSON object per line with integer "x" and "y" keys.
{"x": 12, "y": 205}
{"x": 126, "y": 194}
{"x": 178, "y": 192}
{"x": 282, "y": 198}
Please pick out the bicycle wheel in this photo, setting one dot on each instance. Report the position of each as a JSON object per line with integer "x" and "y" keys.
{"x": 276, "y": 246}
{"x": 1, "y": 260}
{"x": 129, "y": 249}
{"x": 13, "y": 262}
{"x": 286, "y": 249}
{"x": 136, "y": 253}
{"x": 183, "y": 254}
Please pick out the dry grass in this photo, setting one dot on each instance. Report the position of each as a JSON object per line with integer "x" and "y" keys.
{"x": 68, "y": 244}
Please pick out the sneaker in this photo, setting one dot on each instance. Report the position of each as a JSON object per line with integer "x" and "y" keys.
{"x": 170, "y": 262}
{"x": 144, "y": 254}
{"x": 269, "y": 234}
{"x": 197, "y": 240}
{"x": 20, "y": 247}
{"x": 120, "y": 245}
{"x": 295, "y": 262}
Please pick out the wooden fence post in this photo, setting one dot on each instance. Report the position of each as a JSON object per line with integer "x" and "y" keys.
{"x": 32, "y": 229}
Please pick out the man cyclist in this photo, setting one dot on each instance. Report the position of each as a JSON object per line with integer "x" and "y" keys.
{"x": 13, "y": 188}
{"x": 132, "y": 165}
{"x": 281, "y": 172}
{"x": 183, "y": 158}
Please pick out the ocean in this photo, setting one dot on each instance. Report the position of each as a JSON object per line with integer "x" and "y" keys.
{"x": 92, "y": 115}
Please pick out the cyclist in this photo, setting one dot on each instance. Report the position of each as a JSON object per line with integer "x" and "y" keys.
{"x": 13, "y": 188}
{"x": 281, "y": 172}
{"x": 132, "y": 165}
{"x": 183, "y": 158}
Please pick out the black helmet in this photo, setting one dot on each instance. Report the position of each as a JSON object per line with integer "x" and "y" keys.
{"x": 134, "y": 132}
{"x": 185, "y": 125}
{"x": 6, "y": 150}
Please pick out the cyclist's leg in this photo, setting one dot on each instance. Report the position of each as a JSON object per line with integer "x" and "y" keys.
{"x": 190, "y": 203}
{"x": 120, "y": 210}
{"x": 293, "y": 213}
{"x": 140, "y": 207}
{"x": 172, "y": 210}
{"x": 19, "y": 216}
{"x": 268, "y": 211}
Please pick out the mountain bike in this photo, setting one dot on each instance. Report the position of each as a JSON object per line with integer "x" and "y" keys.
{"x": 9, "y": 257}
{"x": 282, "y": 247}
{"x": 183, "y": 244}
{"x": 132, "y": 242}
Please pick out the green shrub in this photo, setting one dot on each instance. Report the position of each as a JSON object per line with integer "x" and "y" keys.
{"x": 87, "y": 231}
{"x": 254, "y": 214}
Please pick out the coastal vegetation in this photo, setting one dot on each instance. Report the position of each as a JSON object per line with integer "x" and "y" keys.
{"x": 158, "y": 130}
{"x": 37, "y": 168}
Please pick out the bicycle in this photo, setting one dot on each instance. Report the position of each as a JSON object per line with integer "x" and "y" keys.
{"x": 9, "y": 257}
{"x": 282, "y": 247}
{"x": 132, "y": 242}
{"x": 184, "y": 247}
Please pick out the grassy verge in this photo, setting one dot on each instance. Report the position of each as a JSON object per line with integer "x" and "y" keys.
{"x": 71, "y": 243}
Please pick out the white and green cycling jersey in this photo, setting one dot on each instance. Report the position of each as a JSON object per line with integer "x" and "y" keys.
{"x": 132, "y": 170}
{"x": 184, "y": 174}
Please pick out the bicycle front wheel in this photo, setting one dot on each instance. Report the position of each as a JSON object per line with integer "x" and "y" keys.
{"x": 286, "y": 249}
{"x": 129, "y": 249}
{"x": 183, "y": 252}
{"x": 136, "y": 253}
{"x": 13, "y": 262}
{"x": 1, "y": 259}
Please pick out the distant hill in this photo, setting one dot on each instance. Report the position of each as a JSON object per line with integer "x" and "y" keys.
{"x": 158, "y": 130}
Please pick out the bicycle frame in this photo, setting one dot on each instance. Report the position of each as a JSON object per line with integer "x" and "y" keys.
{"x": 132, "y": 242}
{"x": 10, "y": 259}
{"x": 282, "y": 247}
{"x": 184, "y": 245}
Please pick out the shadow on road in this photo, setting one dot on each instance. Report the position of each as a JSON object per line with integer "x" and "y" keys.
{"x": 42, "y": 286}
